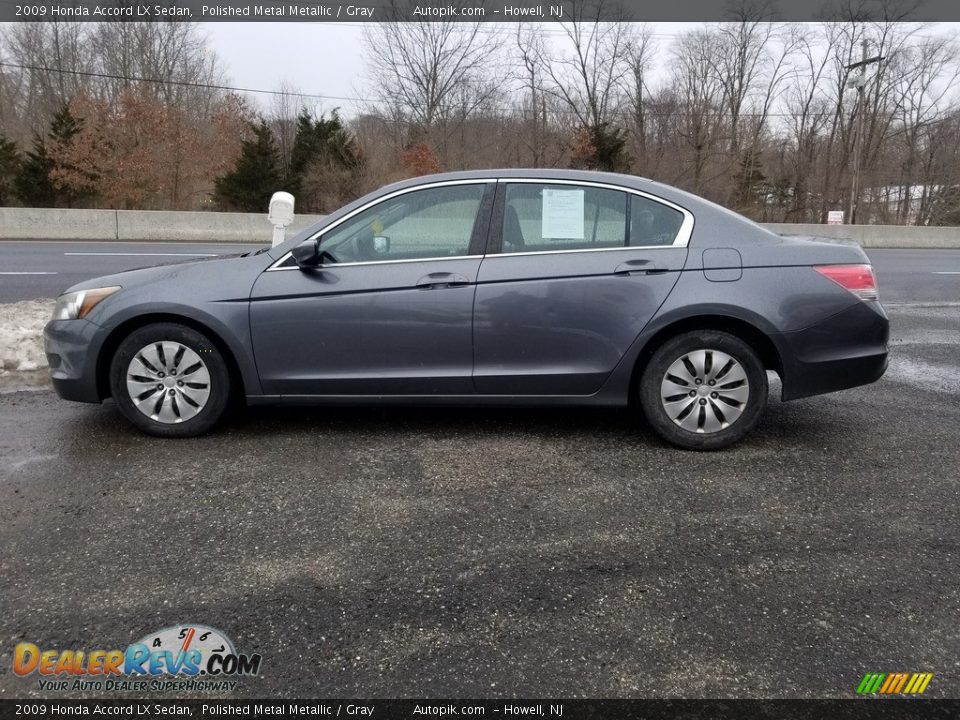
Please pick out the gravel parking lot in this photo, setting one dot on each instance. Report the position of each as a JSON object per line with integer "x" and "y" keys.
{"x": 498, "y": 553}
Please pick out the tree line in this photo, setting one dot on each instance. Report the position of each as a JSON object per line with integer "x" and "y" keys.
{"x": 757, "y": 115}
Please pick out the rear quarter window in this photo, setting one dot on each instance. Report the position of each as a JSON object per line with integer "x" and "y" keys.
{"x": 652, "y": 222}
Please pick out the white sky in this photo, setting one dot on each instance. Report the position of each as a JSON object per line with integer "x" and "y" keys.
{"x": 320, "y": 58}
{"x": 316, "y": 58}
{"x": 327, "y": 58}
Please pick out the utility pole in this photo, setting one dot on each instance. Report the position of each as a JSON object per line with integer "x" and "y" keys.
{"x": 859, "y": 81}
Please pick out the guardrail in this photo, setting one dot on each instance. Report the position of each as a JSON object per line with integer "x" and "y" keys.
{"x": 175, "y": 226}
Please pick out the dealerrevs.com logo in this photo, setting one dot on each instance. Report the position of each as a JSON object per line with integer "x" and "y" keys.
{"x": 180, "y": 658}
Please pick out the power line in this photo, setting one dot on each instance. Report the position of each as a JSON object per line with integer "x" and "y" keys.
{"x": 705, "y": 115}
{"x": 181, "y": 83}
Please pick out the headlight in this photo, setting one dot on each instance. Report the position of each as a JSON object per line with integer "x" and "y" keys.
{"x": 76, "y": 305}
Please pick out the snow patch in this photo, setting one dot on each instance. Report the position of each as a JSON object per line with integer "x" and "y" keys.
{"x": 21, "y": 342}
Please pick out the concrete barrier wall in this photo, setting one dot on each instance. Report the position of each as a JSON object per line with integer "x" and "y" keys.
{"x": 141, "y": 225}
{"x": 48, "y": 224}
{"x": 878, "y": 236}
{"x": 170, "y": 226}
{"x": 157, "y": 226}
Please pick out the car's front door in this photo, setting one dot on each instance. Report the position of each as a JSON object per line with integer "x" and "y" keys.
{"x": 389, "y": 311}
{"x": 575, "y": 271}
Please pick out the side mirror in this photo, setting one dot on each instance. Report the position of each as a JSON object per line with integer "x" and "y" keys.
{"x": 307, "y": 255}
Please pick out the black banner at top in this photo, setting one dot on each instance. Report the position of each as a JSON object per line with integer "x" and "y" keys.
{"x": 478, "y": 10}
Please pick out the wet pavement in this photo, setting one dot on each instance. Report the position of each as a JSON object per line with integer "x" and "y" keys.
{"x": 489, "y": 553}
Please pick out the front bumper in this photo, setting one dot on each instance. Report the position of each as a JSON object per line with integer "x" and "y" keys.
{"x": 843, "y": 351}
{"x": 72, "y": 348}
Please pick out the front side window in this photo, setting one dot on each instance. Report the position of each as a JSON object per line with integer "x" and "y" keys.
{"x": 431, "y": 223}
{"x": 543, "y": 217}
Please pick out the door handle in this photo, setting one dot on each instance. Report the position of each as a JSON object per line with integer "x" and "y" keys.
{"x": 442, "y": 280}
{"x": 638, "y": 267}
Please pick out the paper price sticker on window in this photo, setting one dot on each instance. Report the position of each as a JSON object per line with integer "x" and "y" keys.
{"x": 562, "y": 214}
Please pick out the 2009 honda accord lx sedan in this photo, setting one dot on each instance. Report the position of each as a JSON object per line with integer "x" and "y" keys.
{"x": 513, "y": 287}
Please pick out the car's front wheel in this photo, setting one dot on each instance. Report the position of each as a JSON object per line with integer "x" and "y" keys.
{"x": 703, "y": 390}
{"x": 169, "y": 380}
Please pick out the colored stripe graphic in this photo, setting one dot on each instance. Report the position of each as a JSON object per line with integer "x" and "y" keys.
{"x": 870, "y": 683}
{"x": 894, "y": 683}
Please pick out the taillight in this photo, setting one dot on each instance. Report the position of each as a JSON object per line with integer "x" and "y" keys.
{"x": 858, "y": 279}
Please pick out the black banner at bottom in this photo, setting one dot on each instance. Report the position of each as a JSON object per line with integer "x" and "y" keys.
{"x": 509, "y": 709}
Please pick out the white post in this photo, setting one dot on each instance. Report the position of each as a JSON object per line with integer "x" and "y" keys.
{"x": 280, "y": 215}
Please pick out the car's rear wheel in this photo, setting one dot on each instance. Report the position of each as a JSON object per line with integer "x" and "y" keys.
{"x": 169, "y": 380}
{"x": 703, "y": 390}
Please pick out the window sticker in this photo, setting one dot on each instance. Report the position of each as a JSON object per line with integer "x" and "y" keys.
{"x": 562, "y": 214}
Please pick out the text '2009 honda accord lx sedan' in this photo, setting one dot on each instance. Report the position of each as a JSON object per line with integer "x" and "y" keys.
{"x": 513, "y": 287}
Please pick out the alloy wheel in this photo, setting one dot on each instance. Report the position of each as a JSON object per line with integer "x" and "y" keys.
{"x": 168, "y": 382}
{"x": 705, "y": 391}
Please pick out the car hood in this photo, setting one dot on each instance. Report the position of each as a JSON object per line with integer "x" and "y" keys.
{"x": 170, "y": 270}
{"x": 195, "y": 289}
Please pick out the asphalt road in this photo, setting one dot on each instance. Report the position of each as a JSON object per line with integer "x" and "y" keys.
{"x": 489, "y": 553}
{"x": 30, "y": 270}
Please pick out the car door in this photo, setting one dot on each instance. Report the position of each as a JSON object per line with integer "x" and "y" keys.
{"x": 573, "y": 273}
{"x": 389, "y": 310}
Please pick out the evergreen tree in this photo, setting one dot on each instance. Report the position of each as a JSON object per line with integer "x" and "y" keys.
{"x": 323, "y": 143}
{"x": 33, "y": 184}
{"x": 64, "y": 127}
{"x": 9, "y": 167}
{"x": 306, "y": 146}
{"x": 601, "y": 147}
{"x": 255, "y": 177}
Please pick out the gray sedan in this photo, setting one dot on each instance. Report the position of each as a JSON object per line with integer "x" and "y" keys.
{"x": 512, "y": 287}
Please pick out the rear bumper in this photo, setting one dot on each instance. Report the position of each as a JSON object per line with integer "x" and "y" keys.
{"x": 72, "y": 347}
{"x": 843, "y": 351}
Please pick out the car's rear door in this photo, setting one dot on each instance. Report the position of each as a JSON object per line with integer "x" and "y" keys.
{"x": 573, "y": 273}
{"x": 389, "y": 312}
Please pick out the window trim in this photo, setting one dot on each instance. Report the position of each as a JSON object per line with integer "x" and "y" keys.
{"x": 682, "y": 239}
{"x": 278, "y": 264}
{"x": 495, "y": 224}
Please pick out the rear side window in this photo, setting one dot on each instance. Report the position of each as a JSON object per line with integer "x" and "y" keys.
{"x": 653, "y": 223}
{"x": 543, "y": 217}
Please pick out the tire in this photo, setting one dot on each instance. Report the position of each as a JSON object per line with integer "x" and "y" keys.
{"x": 180, "y": 396}
{"x": 718, "y": 415}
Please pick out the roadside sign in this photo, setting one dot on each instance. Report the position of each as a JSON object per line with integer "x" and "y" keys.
{"x": 835, "y": 217}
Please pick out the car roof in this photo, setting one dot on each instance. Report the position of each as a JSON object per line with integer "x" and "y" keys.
{"x": 635, "y": 182}
{"x": 531, "y": 173}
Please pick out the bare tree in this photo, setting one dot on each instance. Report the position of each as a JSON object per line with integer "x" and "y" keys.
{"x": 175, "y": 55}
{"x": 48, "y": 53}
{"x": 924, "y": 77}
{"x": 591, "y": 78}
{"x": 807, "y": 115}
{"x": 700, "y": 97}
{"x": 282, "y": 114}
{"x": 640, "y": 58}
{"x": 432, "y": 75}
{"x": 533, "y": 111}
